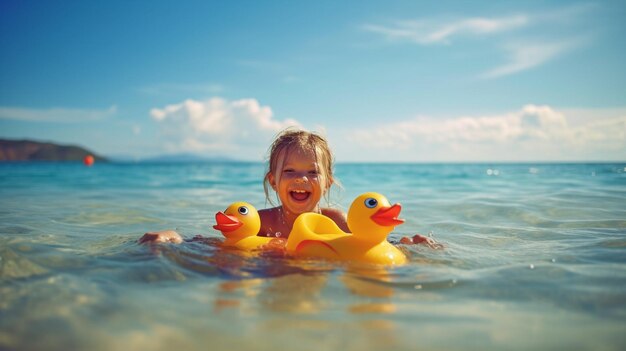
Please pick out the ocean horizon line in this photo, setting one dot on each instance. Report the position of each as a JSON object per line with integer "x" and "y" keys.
{"x": 373, "y": 162}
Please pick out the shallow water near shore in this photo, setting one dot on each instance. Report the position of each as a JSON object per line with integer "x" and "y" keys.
{"x": 534, "y": 258}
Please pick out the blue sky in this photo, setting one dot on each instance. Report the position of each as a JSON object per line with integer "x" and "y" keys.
{"x": 383, "y": 80}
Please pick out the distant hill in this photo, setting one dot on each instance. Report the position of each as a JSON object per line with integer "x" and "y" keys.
{"x": 28, "y": 150}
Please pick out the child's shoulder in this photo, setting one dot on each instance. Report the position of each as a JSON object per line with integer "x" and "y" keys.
{"x": 337, "y": 215}
{"x": 331, "y": 212}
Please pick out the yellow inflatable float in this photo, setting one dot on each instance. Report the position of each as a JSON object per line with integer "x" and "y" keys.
{"x": 240, "y": 224}
{"x": 370, "y": 219}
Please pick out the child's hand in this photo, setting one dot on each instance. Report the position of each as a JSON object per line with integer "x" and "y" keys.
{"x": 276, "y": 247}
{"x": 163, "y": 236}
{"x": 421, "y": 239}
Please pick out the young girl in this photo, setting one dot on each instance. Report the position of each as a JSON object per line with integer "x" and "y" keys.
{"x": 300, "y": 172}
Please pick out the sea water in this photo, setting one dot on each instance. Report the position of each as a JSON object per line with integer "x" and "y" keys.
{"x": 534, "y": 257}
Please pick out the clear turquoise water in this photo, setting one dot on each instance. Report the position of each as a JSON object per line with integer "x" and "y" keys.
{"x": 535, "y": 258}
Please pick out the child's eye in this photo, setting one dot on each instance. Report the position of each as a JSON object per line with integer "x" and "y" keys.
{"x": 313, "y": 172}
{"x": 287, "y": 170}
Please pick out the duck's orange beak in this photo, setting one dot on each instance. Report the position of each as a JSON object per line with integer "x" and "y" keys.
{"x": 226, "y": 223}
{"x": 388, "y": 216}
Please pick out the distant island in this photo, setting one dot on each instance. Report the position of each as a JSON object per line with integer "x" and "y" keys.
{"x": 29, "y": 150}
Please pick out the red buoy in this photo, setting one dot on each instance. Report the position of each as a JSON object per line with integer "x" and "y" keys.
{"x": 88, "y": 160}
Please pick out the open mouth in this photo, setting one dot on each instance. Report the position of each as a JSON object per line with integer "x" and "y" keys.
{"x": 299, "y": 195}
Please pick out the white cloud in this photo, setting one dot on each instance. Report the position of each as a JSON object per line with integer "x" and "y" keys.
{"x": 532, "y": 133}
{"x": 218, "y": 125}
{"x": 526, "y": 56}
{"x": 59, "y": 115}
{"x": 515, "y": 35}
{"x": 433, "y": 32}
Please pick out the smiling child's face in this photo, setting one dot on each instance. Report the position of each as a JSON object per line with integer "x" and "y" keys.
{"x": 299, "y": 181}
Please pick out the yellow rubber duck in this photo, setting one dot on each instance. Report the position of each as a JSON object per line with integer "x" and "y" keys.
{"x": 370, "y": 219}
{"x": 239, "y": 224}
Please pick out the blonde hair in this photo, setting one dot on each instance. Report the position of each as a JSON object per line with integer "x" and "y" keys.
{"x": 290, "y": 139}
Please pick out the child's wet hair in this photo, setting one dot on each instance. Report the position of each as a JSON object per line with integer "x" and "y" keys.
{"x": 290, "y": 139}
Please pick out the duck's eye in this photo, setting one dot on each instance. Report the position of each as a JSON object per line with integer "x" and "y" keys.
{"x": 243, "y": 210}
{"x": 371, "y": 202}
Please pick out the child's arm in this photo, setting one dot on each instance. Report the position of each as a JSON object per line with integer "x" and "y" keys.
{"x": 421, "y": 239}
{"x": 163, "y": 236}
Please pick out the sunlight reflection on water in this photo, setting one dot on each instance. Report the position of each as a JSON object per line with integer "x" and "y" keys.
{"x": 533, "y": 258}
